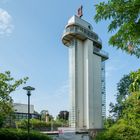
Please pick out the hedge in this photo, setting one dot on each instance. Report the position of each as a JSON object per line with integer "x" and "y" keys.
{"x": 38, "y": 125}
{"x": 15, "y": 134}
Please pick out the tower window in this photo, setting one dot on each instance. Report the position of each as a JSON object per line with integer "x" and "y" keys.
{"x": 89, "y": 27}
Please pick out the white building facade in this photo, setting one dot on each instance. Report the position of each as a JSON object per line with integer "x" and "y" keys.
{"x": 21, "y": 111}
{"x": 23, "y": 108}
{"x": 87, "y": 74}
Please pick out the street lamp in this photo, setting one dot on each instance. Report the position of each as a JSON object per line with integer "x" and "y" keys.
{"x": 28, "y": 89}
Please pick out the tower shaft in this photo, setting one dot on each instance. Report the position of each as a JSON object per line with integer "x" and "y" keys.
{"x": 86, "y": 74}
{"x": 85, "y": 85}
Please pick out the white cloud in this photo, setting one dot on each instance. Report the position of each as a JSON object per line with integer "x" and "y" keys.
{"x": 6, "y": 26}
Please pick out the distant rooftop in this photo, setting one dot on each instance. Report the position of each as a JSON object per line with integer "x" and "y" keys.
{"x": 23, "y": 108}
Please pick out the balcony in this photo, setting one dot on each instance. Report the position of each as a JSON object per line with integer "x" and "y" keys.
{"x": 79, "y": 32}
{"x": 101, "y": 53}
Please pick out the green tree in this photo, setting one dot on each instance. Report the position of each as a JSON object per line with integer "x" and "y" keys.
{"x": 43, "y": 114}
{"x": 127, "y": 127}
{"x": 63, "y": 115}
{"x": 63, "y": 118}
{"x": 135, "y": 86}
{"x": 125, "y": 19}
{"x": 122, "y": 93}
{"x": 7, "y": 85}
{"x": 109, "y": 121}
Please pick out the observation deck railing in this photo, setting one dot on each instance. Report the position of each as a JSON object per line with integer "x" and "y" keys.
{"x": 82, "y": 31}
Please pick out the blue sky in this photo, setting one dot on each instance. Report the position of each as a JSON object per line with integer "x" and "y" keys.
{"x": 30, "y": 44}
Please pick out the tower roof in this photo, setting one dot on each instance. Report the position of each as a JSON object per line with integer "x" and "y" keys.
{"x": 75, "y": 20}
{"x": 80, "y": 29}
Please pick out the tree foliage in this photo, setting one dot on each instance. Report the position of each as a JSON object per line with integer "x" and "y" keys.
{"x": 122, "y": 93}
{"x": 63, "y": 118}
{"x": 7, "y": 85}
{"x": 120, "y": 131}
{"x": 14, "y": 134}
{"x": 127, "y": 127}
{"x": 124, "y": 16}
{"x": 64, "y": 115}
{"x": 38, "y": 125}
{"x": 45, "y": 116}
{"x": 135, "y": 86}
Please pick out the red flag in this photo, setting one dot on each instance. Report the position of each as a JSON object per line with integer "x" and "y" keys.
{"x": 80, "y": 11}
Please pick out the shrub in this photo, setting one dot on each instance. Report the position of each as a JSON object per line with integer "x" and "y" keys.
{"x": 120, "y": 131}
{"x": 38, "y": 125}
{"x": 15, "y": 134}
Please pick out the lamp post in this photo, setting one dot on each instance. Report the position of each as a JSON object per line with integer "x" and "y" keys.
{"x": 28, "y": 89}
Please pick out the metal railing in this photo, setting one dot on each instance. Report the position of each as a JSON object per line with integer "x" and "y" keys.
{"x": 83, "y": 31}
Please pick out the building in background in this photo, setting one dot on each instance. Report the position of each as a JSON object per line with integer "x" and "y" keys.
{"x": 86, "y": 74}
{"x": 21, "y": 111}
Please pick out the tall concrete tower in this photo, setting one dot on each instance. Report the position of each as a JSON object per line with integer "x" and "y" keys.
{"x": 86, "y": 71}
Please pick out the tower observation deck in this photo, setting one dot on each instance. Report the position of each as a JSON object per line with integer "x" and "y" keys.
{"x": 86, "y": 74}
